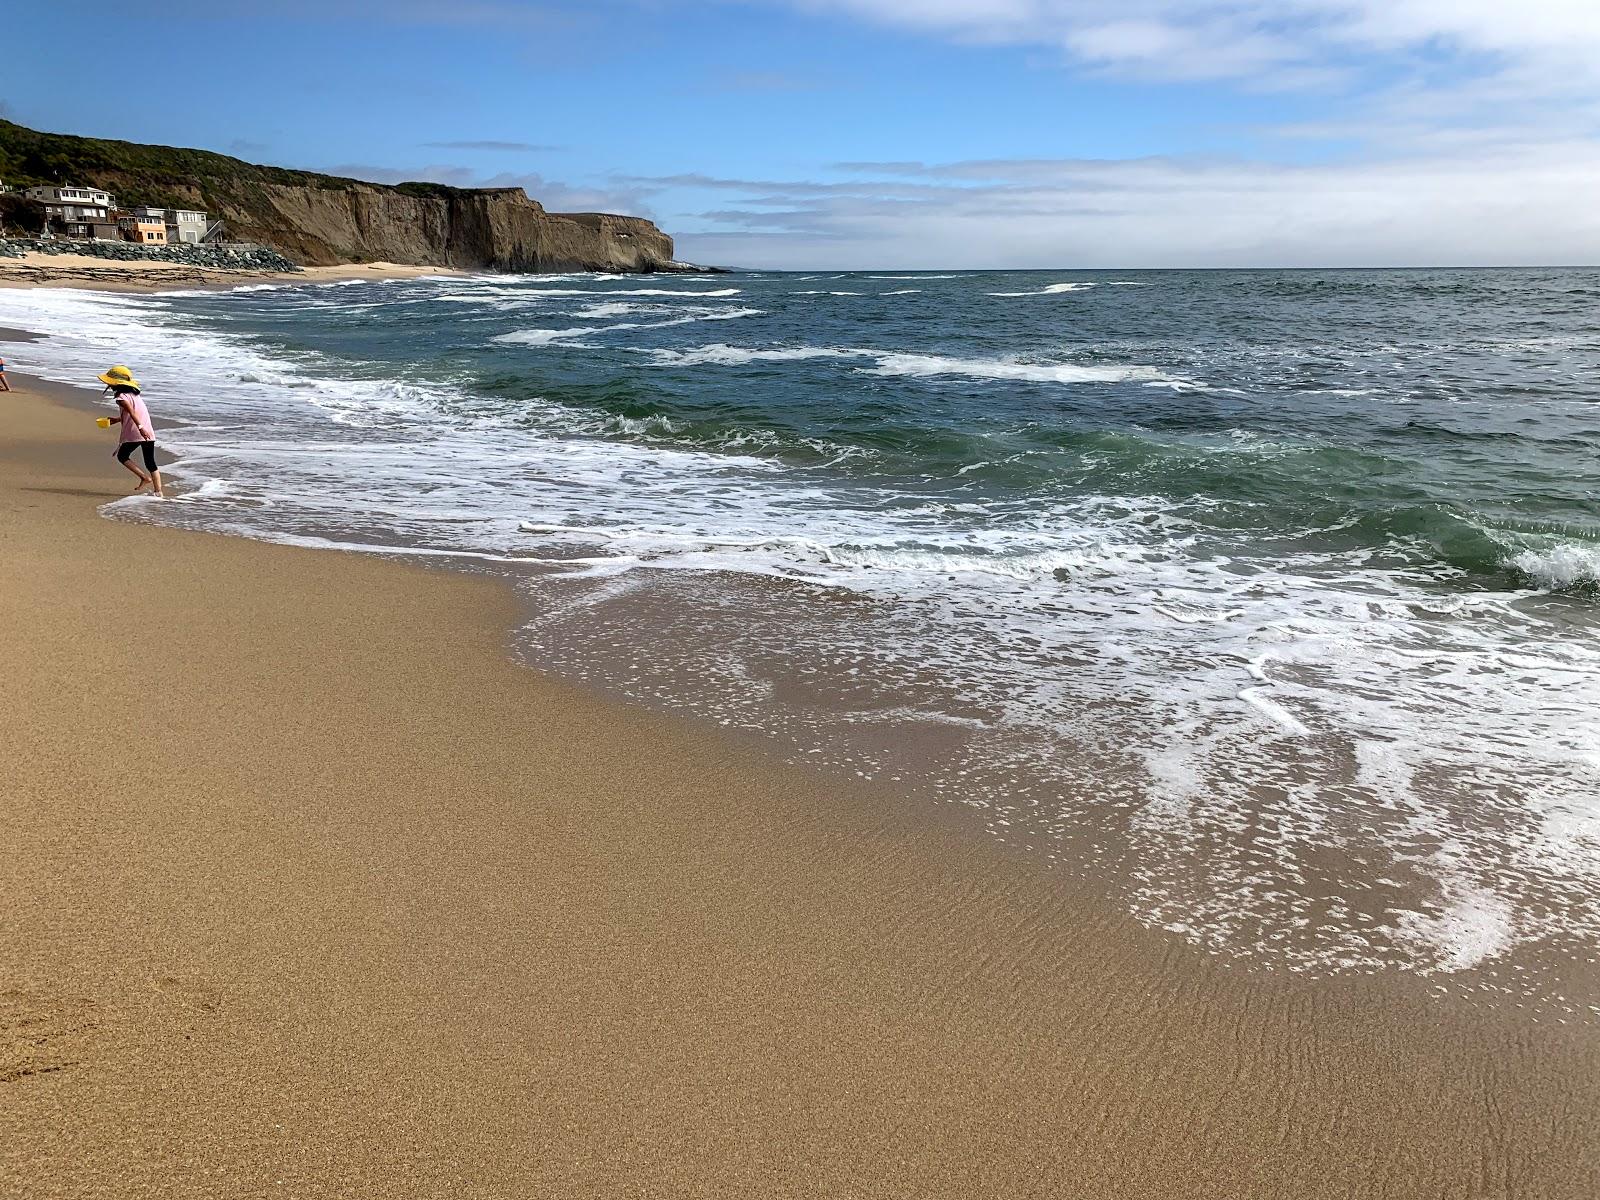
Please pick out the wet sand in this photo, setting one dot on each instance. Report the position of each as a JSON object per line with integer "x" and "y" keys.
{"x": 309, "y": 891}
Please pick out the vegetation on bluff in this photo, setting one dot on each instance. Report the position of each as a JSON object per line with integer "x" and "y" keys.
{"x": 167, "y": 176}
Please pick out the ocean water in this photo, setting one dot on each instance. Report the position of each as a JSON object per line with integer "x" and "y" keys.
{"x": 1268, "y": 600}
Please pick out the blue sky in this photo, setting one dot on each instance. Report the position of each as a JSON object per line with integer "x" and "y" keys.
{"x": 894, "y": 133}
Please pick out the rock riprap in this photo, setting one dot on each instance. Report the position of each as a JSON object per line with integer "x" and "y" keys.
{"x": 216, "y": 257}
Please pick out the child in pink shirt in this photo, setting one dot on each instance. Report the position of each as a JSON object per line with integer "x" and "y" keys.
{"x": 135, "y": 432}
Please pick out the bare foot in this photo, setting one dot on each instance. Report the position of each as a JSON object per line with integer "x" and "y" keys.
{"x": 139, "y": 487}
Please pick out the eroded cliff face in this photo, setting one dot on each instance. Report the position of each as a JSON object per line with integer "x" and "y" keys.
{"x": 496, "y": 230}
{"x": 490, "y": 229}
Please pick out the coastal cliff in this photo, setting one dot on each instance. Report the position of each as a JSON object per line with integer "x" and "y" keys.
{"x": 496, "y": 229}
{"x": 324, "y": 220}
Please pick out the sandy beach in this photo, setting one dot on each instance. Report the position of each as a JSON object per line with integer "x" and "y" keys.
{"x": 84, "y": 270}
{"x": 309, "y": 891}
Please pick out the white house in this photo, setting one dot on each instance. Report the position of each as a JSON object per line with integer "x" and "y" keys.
{"x": 73, "y": 203}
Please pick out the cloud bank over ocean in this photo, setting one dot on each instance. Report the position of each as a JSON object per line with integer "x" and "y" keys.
{"x": 1505, "y": 205}
{"x": 1460, "y": 133}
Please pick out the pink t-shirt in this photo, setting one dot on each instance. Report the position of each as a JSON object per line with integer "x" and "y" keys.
{"x": 136, "y": 425}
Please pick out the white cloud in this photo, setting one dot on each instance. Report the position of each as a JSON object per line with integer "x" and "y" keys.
{"x": 1251, "y": 38}
{"x": 632, "y": 199}
{"x": 1465, "y": 130}
{"x": 1512, "y": 206}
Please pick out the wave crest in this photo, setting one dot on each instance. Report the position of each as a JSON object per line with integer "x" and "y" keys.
{"x": 1054, "y": 289}
{"x": 1560, "y": 567}
{"x": 910, "y": 365}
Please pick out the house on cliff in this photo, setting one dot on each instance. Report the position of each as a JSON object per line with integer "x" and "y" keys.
{"x": 73, "y": 205}
{"x": 78, "y": 202}
{"x": 77, "y": 212}
{"x": 146, "y": 230}
{"x": 91, "y": 214}
{"x": 183, "y": 225}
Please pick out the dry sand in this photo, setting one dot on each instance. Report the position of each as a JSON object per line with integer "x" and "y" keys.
{"x": 308, "y": 892}
{"x": 35, "y": 269}
{"x": 372, "y": 270}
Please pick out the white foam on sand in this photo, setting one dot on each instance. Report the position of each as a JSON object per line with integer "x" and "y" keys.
{"x": 1468, "y": 927}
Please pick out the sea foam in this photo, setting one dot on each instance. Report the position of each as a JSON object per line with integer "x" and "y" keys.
{"x": 1564, "y": 565}
{"x": 1135, "y": 657}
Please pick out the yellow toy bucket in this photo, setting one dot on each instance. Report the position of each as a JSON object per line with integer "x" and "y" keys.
{"x": 103, "y": 422}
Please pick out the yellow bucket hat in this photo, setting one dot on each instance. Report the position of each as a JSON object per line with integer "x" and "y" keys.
{"x": 118, "y": 376}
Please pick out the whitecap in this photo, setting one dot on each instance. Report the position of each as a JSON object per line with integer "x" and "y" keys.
{"x": 561, "y": 337}
{"x": 890, "y": 363}
{"x": 977, "y": 368}
{"x": 546, "y": 337}
{"x": 722, "y": 355}
{"x": 616, "y": 308}
{"x": 676, "y": 293}
{"x": 1563, "y": 565}
{"x": 1054, "y": 289}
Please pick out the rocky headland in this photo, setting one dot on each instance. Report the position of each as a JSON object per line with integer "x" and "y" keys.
{"x": 324, "y": 220}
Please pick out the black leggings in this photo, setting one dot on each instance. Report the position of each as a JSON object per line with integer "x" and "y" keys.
{"x": 126, "y": 449}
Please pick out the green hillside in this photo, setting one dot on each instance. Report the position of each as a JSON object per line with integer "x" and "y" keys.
{"x": 157, "y": 175}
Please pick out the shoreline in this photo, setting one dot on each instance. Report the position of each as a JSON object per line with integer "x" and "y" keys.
{"x": 103, "y": 274}
{"x": 567, "y": 946}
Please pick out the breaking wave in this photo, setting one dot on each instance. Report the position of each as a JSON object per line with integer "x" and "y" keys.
{"x": 1318, "y": 687}
{"x": 886, "y": 362}
{"x": 1054, "y": 289}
